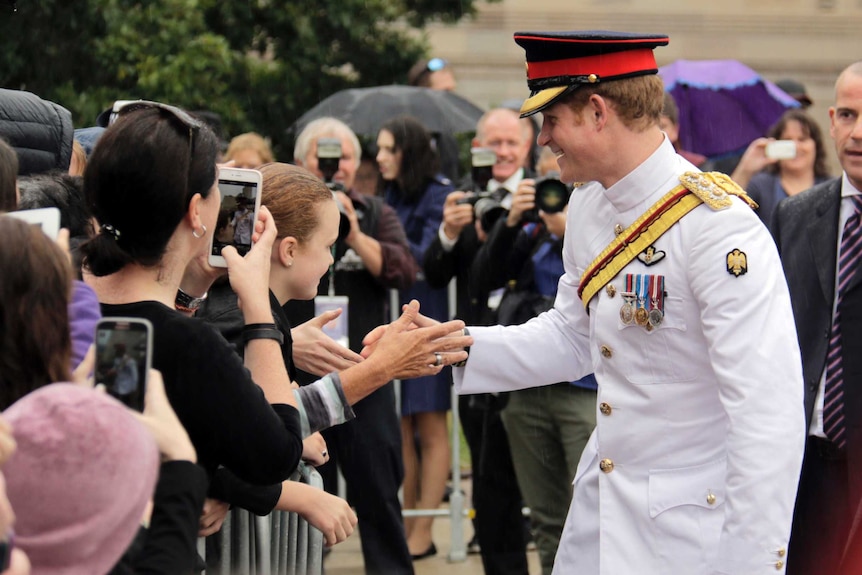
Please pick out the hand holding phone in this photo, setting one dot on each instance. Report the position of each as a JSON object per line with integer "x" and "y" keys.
{"x": 781, "y": 150}
{"x": 240, "y": 203}
{"x": 124, "y": 349}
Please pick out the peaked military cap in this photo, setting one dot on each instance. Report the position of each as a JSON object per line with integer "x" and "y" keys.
{"x": 559, "y": 62}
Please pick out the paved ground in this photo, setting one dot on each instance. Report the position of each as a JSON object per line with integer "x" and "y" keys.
{"x": 346, "y": 558}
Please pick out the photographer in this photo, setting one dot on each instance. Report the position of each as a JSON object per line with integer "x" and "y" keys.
{"x": 496, "y": 497}
{"x": 370, "y": 259}
{"x": 547, "y": 426}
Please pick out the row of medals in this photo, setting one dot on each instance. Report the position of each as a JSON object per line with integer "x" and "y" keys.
{"x": 634, "y": 308}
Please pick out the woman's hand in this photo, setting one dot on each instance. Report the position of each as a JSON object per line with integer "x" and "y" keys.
{"x": 329, "y": 514}
{"x": 212, "y": 517}
{"x": 316, "y": 352}
{"x": 314, "y": 449}
{"x": 249, "y": 274}
{"x": 752, "y": 161}
{"x": 7, "y": 443}
{"x": 83, "y": 374}
{"x": 415, "y": 345}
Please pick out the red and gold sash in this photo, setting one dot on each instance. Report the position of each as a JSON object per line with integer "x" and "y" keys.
{"x": 712, "y": 188}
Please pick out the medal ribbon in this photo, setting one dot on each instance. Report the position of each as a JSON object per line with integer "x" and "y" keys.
{"x": 656, "y": 292}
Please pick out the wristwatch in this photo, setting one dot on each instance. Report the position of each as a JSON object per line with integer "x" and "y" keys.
{"x": 185, "y": 302}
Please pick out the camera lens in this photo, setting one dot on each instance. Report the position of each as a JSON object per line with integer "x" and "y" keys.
{"x": 488, "y": 210}
{"x": 552, "y": 195}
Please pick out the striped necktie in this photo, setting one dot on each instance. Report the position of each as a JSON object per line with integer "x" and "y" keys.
{"x": 848, "y": 264}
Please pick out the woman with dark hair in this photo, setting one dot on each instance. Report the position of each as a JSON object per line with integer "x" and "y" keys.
{"x": 769, "y": 180}
{"x": 151, "y": 184}
{"x": 411, "y": 184}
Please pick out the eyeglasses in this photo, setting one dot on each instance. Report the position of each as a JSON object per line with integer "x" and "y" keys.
{"x": 123, "y": 107}
{"x": 435, "y": 64}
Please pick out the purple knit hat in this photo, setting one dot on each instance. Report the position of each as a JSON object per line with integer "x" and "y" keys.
{"x": 80, "y": 479}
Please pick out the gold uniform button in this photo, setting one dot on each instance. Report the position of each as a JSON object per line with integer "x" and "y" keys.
{"x": 606, "y": 465}
{"x": 612, "y": 291}
{"x": 605, "y": 408}
{"x": 779, "y": 565}
{"x": 782, "y": 552}
{"x": 710, "y": 498}
{"x": 606, "y": 352}
{"x": 618, "y": 229}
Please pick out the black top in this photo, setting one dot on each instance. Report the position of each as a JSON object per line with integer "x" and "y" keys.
{"x": 225, "y": 414}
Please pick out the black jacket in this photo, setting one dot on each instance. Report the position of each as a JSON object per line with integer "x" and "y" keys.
{"x": 39, "y": 131}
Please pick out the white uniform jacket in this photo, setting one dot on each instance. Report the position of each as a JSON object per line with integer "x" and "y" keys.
{"x": 694, "y": 462}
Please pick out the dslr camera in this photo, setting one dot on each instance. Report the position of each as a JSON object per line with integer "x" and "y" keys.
{"x": 487, "y": 206}
{"x": 328, "y": 157}
{"x": 552, "y": 196}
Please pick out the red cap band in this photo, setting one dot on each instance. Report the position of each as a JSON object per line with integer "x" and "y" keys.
{"x": 603, "y": 65}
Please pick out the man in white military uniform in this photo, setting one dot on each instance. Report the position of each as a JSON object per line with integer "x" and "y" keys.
{"x": 682, "y": 311}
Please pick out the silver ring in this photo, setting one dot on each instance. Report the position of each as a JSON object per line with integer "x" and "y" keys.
{"x": 324, "y": 453}
{"x": 438, "y": 359}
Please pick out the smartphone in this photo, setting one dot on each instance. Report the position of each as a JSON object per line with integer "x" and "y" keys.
{"x": 48, "y": 219}
{"x": 240, "y": 202}
{"x": 124, "y": 352}
{"x": 781, "y": 149}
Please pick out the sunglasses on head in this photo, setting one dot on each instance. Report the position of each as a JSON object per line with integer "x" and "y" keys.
{"x": 123, "y": 107}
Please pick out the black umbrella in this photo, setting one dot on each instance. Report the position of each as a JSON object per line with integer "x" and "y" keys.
{"x": 365, "y": 110}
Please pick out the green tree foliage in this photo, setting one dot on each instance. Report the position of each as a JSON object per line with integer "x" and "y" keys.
{"x": 259, "y": 64}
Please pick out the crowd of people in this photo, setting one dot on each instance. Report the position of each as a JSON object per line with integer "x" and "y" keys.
{"x": 668, "y": 388}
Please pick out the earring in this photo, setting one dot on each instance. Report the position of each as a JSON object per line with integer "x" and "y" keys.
{"x": 289, "y": 264}
{"x": 202, "y": 234}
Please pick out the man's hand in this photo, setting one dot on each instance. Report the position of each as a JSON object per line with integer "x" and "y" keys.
{"x": 350, "y": 212}
{"x": 455, "y": 215}
{"x": 524, "y": 199}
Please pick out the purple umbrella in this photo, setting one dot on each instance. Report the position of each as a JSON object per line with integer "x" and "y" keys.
{"x": 723, "y": 104}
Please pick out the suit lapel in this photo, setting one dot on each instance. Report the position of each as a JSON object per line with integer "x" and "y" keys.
{"x": 823, "y": 237}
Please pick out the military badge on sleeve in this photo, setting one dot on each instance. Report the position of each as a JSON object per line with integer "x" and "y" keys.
{"x": 737, "y": 263}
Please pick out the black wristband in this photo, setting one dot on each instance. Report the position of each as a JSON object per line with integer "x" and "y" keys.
{"x": 259, "y": 326}
{"x": 463, "y": 362}
{"x": 262, "y": 331}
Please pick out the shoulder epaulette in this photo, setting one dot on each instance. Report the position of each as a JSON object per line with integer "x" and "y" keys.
{"x": 715, "y": 189}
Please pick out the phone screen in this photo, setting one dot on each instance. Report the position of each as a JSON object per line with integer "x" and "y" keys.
{"x": 123, "y": 358}
{"x": 236, "y": 216}
{"x": 48, "y": 219}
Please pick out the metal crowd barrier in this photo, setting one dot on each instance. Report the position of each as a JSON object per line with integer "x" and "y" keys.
{"x": 457, "y": 511}
{"x": 280, "y": 543}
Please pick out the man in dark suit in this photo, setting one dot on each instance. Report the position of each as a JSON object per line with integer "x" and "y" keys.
{"x": 814, "y": 231}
